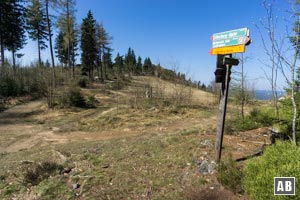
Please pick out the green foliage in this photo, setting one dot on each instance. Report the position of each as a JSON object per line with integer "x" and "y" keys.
{"x": 66, "y": 42}
{"x": 9, "y": 87}
{"x": 117, "y": 85}
{"x": 83, "y": 82}
{"x": 36, "y": 173}
{"x": 72, "y": 97}
{"x": 60, "y": 50}
{"x": 230, "y": 175}
{"x": 14, "y": 23}
{"x": 91, "y": 101}
{"x": 257, "y": 118}
{"x": 76, "y": 98}
{"x": 88, "y": 44}
{"x": 37, "y": 24}
{"x": 279, "y": 160}
{"x": 130, "y": 61}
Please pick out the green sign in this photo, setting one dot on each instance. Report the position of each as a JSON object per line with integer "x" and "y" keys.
{"x": 230, "y": 41}
{"x": 231, "y": 34}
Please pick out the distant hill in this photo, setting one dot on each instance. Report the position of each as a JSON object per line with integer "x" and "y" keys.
{"x": 267, "y": 94}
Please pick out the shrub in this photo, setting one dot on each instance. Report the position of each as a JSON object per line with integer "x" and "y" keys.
{"x": 230, "y": 175}
{"x": 8, "y": 87}
{"x": 256, "y": 118}
{"x": 83, "y": 82}
{"x": 280, "y": 160}
{"x": 76, "y": 98}
{"x": 91, "y": 101}
{"x": 37, "y": 173}
{"x": 72, "y": 97}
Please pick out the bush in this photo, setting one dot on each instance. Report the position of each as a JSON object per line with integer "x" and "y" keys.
{"x": 91, "y": 101}
{"x": 39, "y": 172}
{"x": 76, "y": 98}
{"x": 9, "y": 87}
{"x": 72, "y": 97}
{"x": 256, "y": 119}
{"x": 230, "y": 175}
{"x": 280, "y": 160}
{"x": 83, "y": 82}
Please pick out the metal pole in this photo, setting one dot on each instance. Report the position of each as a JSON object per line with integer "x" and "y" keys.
{"x": 222, "y": 113}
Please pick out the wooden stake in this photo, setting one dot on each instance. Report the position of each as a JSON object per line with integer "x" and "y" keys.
{"x": 222, "y": 113}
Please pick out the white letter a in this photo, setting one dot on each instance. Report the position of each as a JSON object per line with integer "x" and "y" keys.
{"x": 280, "y": 186}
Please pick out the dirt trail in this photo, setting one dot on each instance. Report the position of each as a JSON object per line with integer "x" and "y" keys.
{"x": 18, "y": 130}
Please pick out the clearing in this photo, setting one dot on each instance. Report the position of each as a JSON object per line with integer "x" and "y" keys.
{"x": 127, "y": 147}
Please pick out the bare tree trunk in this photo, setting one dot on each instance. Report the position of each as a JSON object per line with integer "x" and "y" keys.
{"x": 50, "y": 42}
{"x": 14, "y": 60}
{"x": 2, "y": 50}
{"x": 39, "y": 52}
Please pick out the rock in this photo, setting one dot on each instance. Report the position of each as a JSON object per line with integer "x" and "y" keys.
{"x": 205, "y": 143}
{"x": 203, "y": 168}
{"x": 76, "y": 186}
{"x": 211, "y": 168}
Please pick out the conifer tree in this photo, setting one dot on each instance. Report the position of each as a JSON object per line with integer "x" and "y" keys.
{"x": 130, "y": 61}
{"x": 60, "y": 50}
{"x": 66, "y": 24}
{"x": 139, "y": 66}
{"x": 88, "y": 44}
{"x": 147, "y": 67}
{"x": 37, "y": 25}
{"x": 119, "y": 65}
{"x": 15, "y": 39}
{"x": 12, "y": 24}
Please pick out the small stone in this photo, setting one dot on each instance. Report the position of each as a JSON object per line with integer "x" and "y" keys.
{"x": 203, "y": 168}
{"x": 76, "y": 186}
{"x": 205, "y": 143}
{"x": 211, "y": 168}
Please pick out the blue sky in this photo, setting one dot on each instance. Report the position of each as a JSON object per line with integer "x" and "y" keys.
{"x": 176, "y": 33}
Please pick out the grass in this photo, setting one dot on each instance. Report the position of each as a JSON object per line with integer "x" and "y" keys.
{"x": 135, "y": 167}
{"x": 156, "y": 163}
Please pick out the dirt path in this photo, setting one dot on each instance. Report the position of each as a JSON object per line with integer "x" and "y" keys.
{"x": 19, "y": 131}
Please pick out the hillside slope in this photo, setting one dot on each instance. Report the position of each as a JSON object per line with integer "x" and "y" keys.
{"x": 127, "y": 147}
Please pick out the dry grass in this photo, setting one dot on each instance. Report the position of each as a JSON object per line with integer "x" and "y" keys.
{"x": 127, "y": 147}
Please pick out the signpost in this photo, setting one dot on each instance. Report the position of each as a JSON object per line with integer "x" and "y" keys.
{"x": 224, "y": 44}
{"x": 228, "y": 50}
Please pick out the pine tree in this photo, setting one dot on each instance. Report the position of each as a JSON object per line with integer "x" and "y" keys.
{"x": 139, "y": 66}
{"x": 107, "y": 62}
{"x": 12, "y": 24}
{"x": 5, "y": 9}
{"x": 66, "y": 24}
{"x": 130, "y": 61}
{"x": 60, "y": 50}
{"x": 37, "y": 25}
{"x": 15, "y": 39}
{"x": 147, "y": 67}
{"x": 88, "y": 44}
{"x": 119, "y": 65}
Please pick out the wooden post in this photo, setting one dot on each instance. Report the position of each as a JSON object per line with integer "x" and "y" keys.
{"x": 222, "y": 113}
